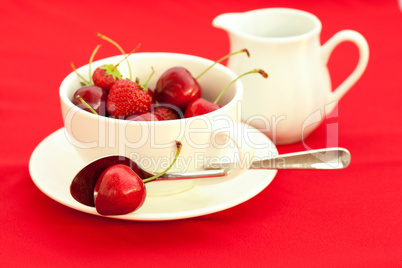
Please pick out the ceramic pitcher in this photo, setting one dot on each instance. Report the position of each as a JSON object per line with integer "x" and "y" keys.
{"x": 297, "y": 96}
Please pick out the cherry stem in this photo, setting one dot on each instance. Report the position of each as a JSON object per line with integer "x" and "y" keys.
{"x": 79, "y": 75}
{"x": 118, "y": 47}
{"x": 125, "y": 57}
{"x": 264, "y": 74}
{"x": 222, "y": 59}
{"x": 178, "y": 145}
{"x": 145, "y": 85}
{"x": 91, "y": 60}
{"x": 80, "y": 99}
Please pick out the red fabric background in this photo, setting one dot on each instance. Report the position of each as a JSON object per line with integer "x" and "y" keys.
{"x": 346, "y": 218}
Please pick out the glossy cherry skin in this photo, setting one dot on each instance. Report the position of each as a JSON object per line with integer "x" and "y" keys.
{"x": 118, "y": 191}
{"x": 199, "y": 107}
{"x": 177, "y": 87}
{"x": 83, "y": 184}
{"x": 94, "y": 96}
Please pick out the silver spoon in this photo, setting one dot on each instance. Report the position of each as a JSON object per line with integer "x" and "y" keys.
{"x": 83, "y": 183}
{"x": 329, "y": 158}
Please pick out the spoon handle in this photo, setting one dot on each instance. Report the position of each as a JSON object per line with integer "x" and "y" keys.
{"x": 202, "y": 174}
{"x": 328, "y": 158}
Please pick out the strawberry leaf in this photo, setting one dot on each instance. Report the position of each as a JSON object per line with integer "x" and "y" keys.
{"x": 111, "y": 70}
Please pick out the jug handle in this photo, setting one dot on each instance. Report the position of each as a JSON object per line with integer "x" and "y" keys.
{"x": 363, "y": 48}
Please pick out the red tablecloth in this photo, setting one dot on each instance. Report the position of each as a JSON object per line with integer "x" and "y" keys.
{"x": 345, "y": 218}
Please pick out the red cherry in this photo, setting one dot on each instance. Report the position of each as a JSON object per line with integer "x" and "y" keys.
{"x": 113, "y": 184}
{"x": 94, "y": 96}
{"x": 177, "y": 87}
{"x": 83, "y": 184}
{"x": 202, "y": 106}
{"x": 199, "y": 107}
{"x": 119, "y": 190}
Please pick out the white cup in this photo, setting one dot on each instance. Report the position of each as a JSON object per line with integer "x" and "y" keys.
{"x": 285, "y": 42}
{"x": 152, "y": 144}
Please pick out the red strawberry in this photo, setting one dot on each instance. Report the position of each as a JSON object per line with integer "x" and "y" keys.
{"x": 151, "y": 93}
{"x": 126, "y": 98}
{"x": 105, "y": 76}
{"x": 165, "y": 113}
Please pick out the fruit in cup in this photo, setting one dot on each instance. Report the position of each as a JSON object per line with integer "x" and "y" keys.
{"x": 93, "y": 96}
{"x": 165, "y": 113}
{"x": 202, "y": 106}
{"x": 178, "y": 87}
{"x": 105, "y": 76}
{"x": 137, "y": 98}
{"x": 126, "y": 98}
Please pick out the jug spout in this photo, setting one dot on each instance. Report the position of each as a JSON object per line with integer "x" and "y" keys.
{"x": 225, "y": 21}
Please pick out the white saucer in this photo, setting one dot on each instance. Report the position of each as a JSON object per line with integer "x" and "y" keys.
{"x": 54, "y": 163}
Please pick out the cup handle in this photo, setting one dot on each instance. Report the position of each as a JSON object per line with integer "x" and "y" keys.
{"x": 361, "y": 43}
{"x": 246, "y": 153}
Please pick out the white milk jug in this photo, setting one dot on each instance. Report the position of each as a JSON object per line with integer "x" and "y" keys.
{"x": 286, "y": 44}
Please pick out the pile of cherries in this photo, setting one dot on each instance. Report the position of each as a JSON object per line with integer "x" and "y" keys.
{"x": 177, "y": 93}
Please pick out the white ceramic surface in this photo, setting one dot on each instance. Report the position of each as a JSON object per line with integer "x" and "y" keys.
{"x": 286, "y": 44}
{"x": 54, "y": 163}
{"x": 152, "y": 144}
